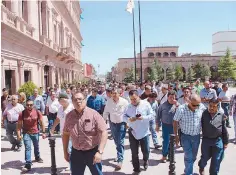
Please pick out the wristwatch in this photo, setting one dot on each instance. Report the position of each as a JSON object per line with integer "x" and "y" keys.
{"x": 100, "y": 152}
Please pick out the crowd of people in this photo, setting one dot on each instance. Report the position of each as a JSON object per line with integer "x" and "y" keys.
{"x": 81, "y": 114}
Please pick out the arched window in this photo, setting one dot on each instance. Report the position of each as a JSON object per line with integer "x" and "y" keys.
{"x": 158, "y": 54}
{"x": 172, "y": 54}
{"x": 165, "y": 54}
{"x": 150, "y": 54}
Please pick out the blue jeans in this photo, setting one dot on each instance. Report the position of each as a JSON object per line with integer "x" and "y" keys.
{"x": 81, "y": 159}
{"x": 134, "y": 146}
{"x": 190, "y": 146}
{"x": 152, "y": 128}
{"x": 118, "y": 131}
{"x": 166, "y": 131}
{"x": 27, "y": 138}
{"x": 211, "y": 148}
{"x": 225, "y": 107}
{"x": 51, "y": 118}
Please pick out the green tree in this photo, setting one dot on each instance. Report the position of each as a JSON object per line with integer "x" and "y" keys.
{"x": 170, "y": 73}
{"x": 152, "y": 73}
{"x": 227, "y": 66}
{"x": 206, "y": 72}
{"x": 191, "y": 74}
{"x": 28, "y": 88}
{"x": 178, "y": 72}
{"x": 129, "y": 76}
{"x": 159, "y": 71}
{"x": 198, "y": 70}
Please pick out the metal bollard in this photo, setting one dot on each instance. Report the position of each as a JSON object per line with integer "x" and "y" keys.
{"x": 53, "y": 158}
{"x": 172, "y": 155}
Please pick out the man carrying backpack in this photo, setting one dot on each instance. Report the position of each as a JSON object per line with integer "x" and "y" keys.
{"x": 28, "y": 121}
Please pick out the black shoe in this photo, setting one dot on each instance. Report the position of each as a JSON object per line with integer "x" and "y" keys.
{"x": 18, "y": 148}
{"x": 157, "y": 146}
{"x": 39, "y": 160}
{"x": 26, "y": 168}
{"x": 145, "y": 165}
{"x": 13, "y": 147}
{"x": 137, "y": 170}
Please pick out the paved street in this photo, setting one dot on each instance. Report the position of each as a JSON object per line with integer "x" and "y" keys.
{"x": 12, "y": 162}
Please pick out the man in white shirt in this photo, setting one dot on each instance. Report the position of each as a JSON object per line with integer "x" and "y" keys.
{"x": 137, "y": 116}
{"x": 141, "y": 89}
{"x": 65, "y": 108}
{"x": 224, "y": 98}
{"x": 11, "y": 114}
{"x": 52, "y": 105}
{"x": 162, "y": 96}
{"x": 114, "y": 110}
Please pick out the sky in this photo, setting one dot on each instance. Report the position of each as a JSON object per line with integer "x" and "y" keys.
{"x": 108, "y": 34}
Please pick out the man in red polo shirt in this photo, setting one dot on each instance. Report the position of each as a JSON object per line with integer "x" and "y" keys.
{"x": 28, "y": 121}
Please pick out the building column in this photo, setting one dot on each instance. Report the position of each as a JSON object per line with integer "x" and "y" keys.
{"x": 21, "y": 72}
{"x": 19, "y": 9}
{"x": 52, "y": 76}
{"x": 165, "y": 73}
{"x": 42, "y": 77}
{"x": 58, "y": 76}
{"x": 33, "y": 19}
{"x": 15, "y": 7}
{"x": 39, "y": 75}
{"x": 3, "y": 73}
{"x": 50, "y": 26}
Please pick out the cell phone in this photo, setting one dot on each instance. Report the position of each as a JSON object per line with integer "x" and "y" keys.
{"x": 138, "y": 115}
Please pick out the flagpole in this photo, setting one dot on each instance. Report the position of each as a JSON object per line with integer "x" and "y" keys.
{"x": 135, "y": 66}
{"x": 140, "y": 44}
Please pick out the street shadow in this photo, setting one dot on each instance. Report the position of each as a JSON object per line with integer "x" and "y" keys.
{"x": 153, "y": 162}
{"x": 5, "y": 149}
{"x": 115, "y": 173}
{"x": 44, "y": 170}
{"x": 232, "y": 141}
{"x": 12, "y": 165}
{"x": 4, "y": 138}
{"x": 107, "y": 162}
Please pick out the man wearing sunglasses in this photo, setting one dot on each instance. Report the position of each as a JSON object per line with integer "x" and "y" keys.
{"x": 28, "y": 121}
{"x": 188, "y": 118}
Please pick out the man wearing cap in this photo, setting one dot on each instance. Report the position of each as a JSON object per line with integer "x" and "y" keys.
{"x": 114, "y": 110}
{"x": 64, "y": 109}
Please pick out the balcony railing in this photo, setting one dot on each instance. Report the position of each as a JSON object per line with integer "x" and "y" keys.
{"x": 14, "y": 21}
{"x": 68, "y": 51}
{"x": 55, "y": 47}
{"x": 43, "y": 39}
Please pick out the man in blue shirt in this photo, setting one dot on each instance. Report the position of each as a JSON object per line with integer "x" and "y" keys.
{"x": 165, "y": 115}
{"x": 96, "y": 102}
{"x": 137, "y": 117}
{"x": 38, "y": 101}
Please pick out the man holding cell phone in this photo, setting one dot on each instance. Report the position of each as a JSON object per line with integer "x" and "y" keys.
{"x": 137, "y": 116}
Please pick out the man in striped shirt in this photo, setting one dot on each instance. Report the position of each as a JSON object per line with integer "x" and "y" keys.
{"x": 188, "y": 118}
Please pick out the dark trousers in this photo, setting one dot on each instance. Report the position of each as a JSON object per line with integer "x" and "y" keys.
{"x": 211, "y": 148}
{"x": 81, "y": 159}
{"x": 225, "y": 107}
{"x": 11, "y": 131}
{"x": 134, "y": 146}
{"x": 51, "y": 118}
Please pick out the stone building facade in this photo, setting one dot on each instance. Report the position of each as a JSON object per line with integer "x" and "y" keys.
{"x": 166, "y": 56}
{"x": 41, "y": 42}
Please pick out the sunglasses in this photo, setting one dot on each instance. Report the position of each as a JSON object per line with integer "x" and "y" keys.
{"x": 29, "y": 105}
{"x": 196, "y": 105}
